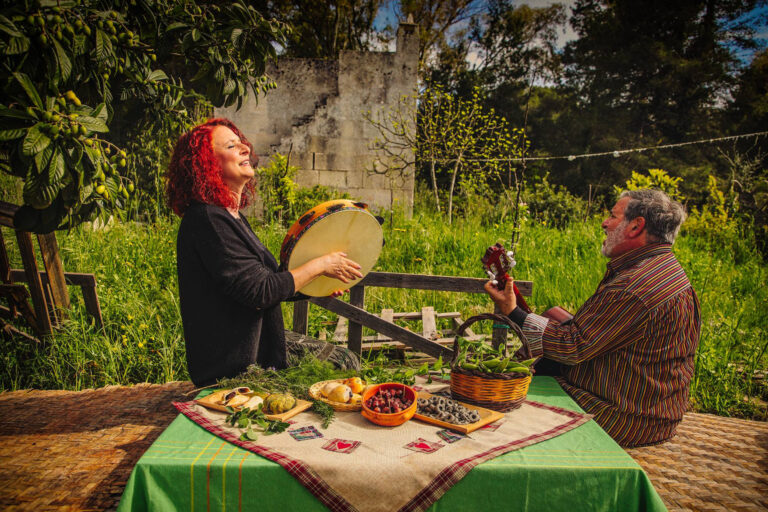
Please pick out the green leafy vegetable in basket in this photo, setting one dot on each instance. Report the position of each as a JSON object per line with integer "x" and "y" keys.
{"x": 478, "y": 356}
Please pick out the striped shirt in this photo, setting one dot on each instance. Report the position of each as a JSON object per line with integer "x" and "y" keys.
{"x": 630, "y": 349}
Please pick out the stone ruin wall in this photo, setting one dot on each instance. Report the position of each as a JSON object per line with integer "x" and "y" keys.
{"x": 316, "y": 114}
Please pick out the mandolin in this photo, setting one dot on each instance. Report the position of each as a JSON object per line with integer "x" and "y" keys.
{"x": 497, "y": 263}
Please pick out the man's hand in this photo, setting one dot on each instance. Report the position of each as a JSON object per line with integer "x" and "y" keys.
{"x": 505, "y": 299}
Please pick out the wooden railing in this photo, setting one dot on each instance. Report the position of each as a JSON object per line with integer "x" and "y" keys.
{"x": 47, "y": 288}
{"x": 358, "y": 317}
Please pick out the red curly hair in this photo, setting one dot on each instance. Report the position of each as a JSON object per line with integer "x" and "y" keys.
{"x": 194, "y": 173}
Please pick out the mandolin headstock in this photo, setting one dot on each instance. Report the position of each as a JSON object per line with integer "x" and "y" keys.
{"x": 497, "y": 263}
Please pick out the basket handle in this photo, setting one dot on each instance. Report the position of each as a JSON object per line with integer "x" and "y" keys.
{"x": 497, "y": 318}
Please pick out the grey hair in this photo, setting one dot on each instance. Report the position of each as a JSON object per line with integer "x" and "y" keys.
{"x": 663, "y": 216}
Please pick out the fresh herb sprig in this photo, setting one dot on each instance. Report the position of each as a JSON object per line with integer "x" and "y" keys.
{"x": 253, "y": 421}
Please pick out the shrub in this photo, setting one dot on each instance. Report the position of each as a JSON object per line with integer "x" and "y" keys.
{"x": 282, "y": 200}
{"x": 553, "y": 204}
{"x": 656, "y": 178}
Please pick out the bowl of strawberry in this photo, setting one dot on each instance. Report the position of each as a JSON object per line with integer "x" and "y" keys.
{"x": 389, "y": 404}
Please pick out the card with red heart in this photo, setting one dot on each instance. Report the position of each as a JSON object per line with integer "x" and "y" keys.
{"x": 424, "y": 446}
{"x": 341, "y": 445}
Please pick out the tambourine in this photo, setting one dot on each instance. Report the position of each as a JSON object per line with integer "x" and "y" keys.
{"x": 338, "y": 225}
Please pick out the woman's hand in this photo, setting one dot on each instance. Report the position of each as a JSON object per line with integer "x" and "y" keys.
{"x": 336, "y": 265}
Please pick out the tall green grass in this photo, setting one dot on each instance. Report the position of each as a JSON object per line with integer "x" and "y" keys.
{"x": 142, "y": 339}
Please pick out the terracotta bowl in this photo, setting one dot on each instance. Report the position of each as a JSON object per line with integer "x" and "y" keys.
{"x": 389, "y": 419}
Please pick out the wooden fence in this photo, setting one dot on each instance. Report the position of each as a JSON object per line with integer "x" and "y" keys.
{"x": 358, "y": 317}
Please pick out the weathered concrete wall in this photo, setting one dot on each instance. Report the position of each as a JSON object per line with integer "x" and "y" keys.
{"x": 316, "y": 113}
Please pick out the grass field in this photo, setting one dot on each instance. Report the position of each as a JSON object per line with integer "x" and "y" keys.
{"x": 142, "y": 339}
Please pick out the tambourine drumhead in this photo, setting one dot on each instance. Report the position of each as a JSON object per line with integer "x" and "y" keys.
{"x": 329, "y": 227}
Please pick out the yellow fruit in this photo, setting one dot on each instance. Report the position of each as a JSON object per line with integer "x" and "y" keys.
{"x": 278, "y": 403}
{"x": 328, "y": 388}
{"x": 356, "y": 399}
{"x": 355, "y": 384}
{"x": 340, "y": 393}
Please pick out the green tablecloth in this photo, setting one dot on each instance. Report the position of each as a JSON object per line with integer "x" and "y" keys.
{"x": 187, "y": 468}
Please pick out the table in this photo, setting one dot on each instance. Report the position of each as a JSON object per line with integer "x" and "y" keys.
{"x": 187, "y": 468}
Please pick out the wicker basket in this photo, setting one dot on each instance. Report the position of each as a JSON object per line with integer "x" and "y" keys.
{"x": 314, "y": 392}
{"x": 498, "y": 391}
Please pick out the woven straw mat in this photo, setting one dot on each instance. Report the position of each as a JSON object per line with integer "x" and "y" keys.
{"x": 67, "y": 450}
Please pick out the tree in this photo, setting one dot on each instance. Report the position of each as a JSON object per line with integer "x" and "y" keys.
{"x": 73, "y": 72}
{"x": 663, "y": 64}
{"x": 517, "y": 43}
{"x": 460, "y": 139}
{"x": 749, "y": 108}
{"x": 323, "y": 29}
{"x": 436, "y": 18}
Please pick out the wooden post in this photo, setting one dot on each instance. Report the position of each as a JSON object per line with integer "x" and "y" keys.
{"x": 86, "y": 282}
{"x": 301, "y": 316}
{"x": 49, "y": 249}
{"x": 355, "y": 340}
{"x": 499, "y": 333}
{"x": 393, "y": 331}
{"x": 33, "y": 280}
{"x": 429, "y": 323}
{"x": 5, "y": 262}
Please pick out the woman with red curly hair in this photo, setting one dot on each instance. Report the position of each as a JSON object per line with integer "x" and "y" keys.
{"x": 230, "y": 287}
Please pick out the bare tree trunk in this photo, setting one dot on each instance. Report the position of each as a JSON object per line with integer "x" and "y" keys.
{"x": 434, "y": 183}
{"x": 450, "y": 191}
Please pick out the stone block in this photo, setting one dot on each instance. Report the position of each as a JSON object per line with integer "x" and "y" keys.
{"x": 307, "y": 178}
{"x": 354, "y": 179}
{"x": 375, "y": 181}
{"x": 335, "y": 179}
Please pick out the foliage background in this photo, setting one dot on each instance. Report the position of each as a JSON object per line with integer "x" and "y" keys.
{"x": 638, "y": 74}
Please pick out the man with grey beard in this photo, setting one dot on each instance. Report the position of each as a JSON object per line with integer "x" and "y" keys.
{"x": 627, "y": 356}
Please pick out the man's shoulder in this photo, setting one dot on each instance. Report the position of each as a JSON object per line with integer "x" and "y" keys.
{"x": 656, "y": 278}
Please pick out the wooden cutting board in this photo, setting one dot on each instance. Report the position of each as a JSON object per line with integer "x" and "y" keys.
{"x": 213, "y": 400}
{"x": 487, "y": 416}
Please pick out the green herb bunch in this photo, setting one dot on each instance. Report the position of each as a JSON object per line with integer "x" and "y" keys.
{"x": 254, "y": 421}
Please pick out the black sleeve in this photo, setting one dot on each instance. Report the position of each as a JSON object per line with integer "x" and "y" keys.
{"x": 233, "y": 265}
{"x": 297, "y": 297}
{"x": 518, "y": 315}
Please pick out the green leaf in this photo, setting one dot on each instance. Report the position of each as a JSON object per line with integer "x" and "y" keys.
{"x": 229, "y": 86}
{"x": 29, "y": 88}
{"x": 14, "y": 113}
{"x": 103, "y": 46}
{"x": 100, "y": 112}
{"x": 9, "y": 28}
{"x": 175, "y": 26}
{"x": 93, "y": 124}
{"x": 65, "y": 65}
{"x": 79, "y": 44}
{"x": 195, "y": 35}
{"x": 56, "y": 167}
{"x": 157, "y": 74}
{"x": 42, "y": 159}
{"x": 202, "y": 72}
{"x": 6, "y": 135}
{"x": 35, "y": 141}
{"x": 17, "y": 45}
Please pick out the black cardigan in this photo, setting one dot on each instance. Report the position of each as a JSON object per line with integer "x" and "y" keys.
{"x": 230, "y": 291}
